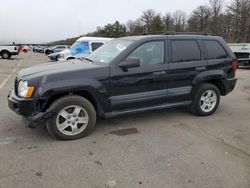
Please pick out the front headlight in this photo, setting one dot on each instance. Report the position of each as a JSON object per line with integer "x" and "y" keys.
{"x": 24, "y": 90}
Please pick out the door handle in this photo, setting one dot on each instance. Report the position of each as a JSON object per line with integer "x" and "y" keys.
{"x": 159, "y": 73}
{"x": 200, "y": 68}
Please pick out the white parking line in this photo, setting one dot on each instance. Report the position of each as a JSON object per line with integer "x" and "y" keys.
{"x": 8, "y": 77}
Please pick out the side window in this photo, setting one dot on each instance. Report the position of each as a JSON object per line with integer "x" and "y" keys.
{"x": 185, "y": 50}
{"x": 149, "y": 53}
{"x": 214, "y": 49}
{"x": 96, "y": 45}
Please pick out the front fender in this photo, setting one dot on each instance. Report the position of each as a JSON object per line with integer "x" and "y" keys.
{"x": 97, "y": 90}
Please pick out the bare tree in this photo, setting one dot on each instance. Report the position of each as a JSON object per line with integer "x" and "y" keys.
{"x": 239, "y": 11}
{"x": 147, "y": 18}
{"x": 135, "y": 27}
{"x": 199, "y": 20}
{"x": 217, "y": 11}
{"x": 169, "y": 22}
{"x": 179, "y": 18}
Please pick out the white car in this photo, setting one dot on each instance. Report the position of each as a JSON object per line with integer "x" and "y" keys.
{"x": 242, "y": 52}
{"x": 7, "y": 51}
{"x": 82, "y": 47}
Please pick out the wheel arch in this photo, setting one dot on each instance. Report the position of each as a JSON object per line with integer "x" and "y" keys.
{"x": 213, "y": 77}
{"x": 83, "y": 93}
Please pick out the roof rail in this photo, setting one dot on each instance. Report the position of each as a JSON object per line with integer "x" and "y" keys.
{"x": 189, "y": 33}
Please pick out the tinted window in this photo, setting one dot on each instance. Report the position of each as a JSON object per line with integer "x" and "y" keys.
{"x": 149, "y": 53}
{"x": 185, "y": 50}
{"x": 214, "y": 49}
{"x": 96, "y": 45}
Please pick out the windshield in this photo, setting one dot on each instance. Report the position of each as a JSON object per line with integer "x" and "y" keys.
{"x": 109, "y": 51}
{"x": 80, "y": 48}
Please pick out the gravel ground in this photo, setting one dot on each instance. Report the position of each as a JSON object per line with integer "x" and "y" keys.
{"x": 169, "y": 148}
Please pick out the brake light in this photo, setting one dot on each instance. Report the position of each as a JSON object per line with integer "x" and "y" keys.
{"x": 235, "y": 65}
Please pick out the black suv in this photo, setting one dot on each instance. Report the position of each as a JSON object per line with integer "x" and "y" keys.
{"x": 126, "y": 75}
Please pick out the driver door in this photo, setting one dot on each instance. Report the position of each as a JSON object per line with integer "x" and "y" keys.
{"x": 142, "y": 86}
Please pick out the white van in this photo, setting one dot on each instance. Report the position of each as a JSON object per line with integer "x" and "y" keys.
{"x": 82, "y": 47}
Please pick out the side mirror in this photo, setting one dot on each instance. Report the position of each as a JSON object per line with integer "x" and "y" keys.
{"x": 130, "y": 63}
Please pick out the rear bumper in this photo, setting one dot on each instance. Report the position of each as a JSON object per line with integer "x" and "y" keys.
{"x": 25, "y": 108}
{"x": 230, "y": 85}
{"x": 244, "y": 62}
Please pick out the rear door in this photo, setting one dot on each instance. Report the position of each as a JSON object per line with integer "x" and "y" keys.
{"x": 187, "y": 61}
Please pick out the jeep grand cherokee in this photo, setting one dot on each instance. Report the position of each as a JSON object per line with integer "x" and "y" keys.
{"x": 126, "y": 75}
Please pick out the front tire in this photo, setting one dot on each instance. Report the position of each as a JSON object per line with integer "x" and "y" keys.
{"x": 75, "y": 117}
{"x": 206, "y": 100}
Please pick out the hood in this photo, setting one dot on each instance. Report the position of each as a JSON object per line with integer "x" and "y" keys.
{"x": 65, "y": 52}
{"x": 63, "y": 67}
{"x": 54, "y": 54}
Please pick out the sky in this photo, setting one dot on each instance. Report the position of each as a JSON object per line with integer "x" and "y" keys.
{"x": 39, "y": 21}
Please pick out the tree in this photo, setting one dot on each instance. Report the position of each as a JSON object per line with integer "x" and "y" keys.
{"x": 199, "y": 19}
{"x": 111, "y": 30}
{"x": 135, "y": 27}
{"x": 147, "y": 18}
{"x": 168, "y": 22}
{"x": 216, "y": 15}
{"x": 157, "y": 25}
{"x": 179, "y": 18}
{"x": 239, "y": 13}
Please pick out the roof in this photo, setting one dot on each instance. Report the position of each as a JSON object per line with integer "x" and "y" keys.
{"x": 188, "y": 36}
{"x": 101, "y": 39}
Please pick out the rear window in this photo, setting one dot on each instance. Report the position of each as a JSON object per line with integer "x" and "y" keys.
{"x": 185, "y": 50}
{"x": 214, "y": 49}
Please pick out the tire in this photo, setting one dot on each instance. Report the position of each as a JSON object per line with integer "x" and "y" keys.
{"x": 47, "y": 52}
{"x": 70, "y": 128}
{"x": 5, "y": 54}
{"x": 203, "y": 103}
{"x": 70, "y": 58}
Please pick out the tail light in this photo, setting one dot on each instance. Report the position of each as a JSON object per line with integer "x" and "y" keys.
{"x": 235, "y": 65}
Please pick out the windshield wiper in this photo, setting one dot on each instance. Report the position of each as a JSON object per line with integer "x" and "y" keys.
{"x": 87, "y": 59}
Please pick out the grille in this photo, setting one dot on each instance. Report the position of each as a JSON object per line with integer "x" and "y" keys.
{"x": 242, "y": 55}
{"x": 16, "y": 85}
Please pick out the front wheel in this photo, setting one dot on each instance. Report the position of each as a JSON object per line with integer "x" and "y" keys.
{"x": 75, "y": 117}
{"x": 206, "y": 100}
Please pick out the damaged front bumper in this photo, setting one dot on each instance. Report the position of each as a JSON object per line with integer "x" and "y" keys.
{"x": 26, "y": 108}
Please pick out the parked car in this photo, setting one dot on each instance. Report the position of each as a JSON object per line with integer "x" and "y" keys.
{"x": 54, "y": 56}
{"x": 82, "y": 47}
{"x": 24, "y": 49}
{"x": 54, "y": 49}
{"x": 38, "y": 49}
{"x": 6, "y": 51}
{"x": 124, "y": 76}
{"x": 242, "y": 52}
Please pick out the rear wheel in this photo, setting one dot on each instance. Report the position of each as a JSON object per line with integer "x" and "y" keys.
{"x": 206, "y": 100}
{"x": 5, "y": 54}
{"x": 75, "y": 117}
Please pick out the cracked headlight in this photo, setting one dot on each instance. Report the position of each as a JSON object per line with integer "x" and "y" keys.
{"x": 24, "y": 90}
